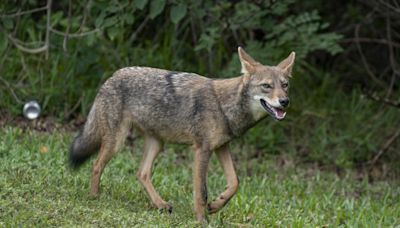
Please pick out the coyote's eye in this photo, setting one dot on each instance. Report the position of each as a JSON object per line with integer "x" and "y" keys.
{"x": 285, "y": 85}
{"x": 266, "y": 86}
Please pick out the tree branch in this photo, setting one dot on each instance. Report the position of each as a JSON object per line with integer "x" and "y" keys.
{"x": 139, "y": 29}
{"x": 25, "y": 49}
{"x": 391, "y": 56}
{"x": 74, "y": 35}
{"x": 8, "y": 86}
{"x": 17, "y": 14}
{"x": 384, "y": 100}
{"x": 385, "y": 146}
{"x": 364, "y": 60}
{"x": 45, "y": 48}
{"x": 48, "y": 26}
{"x": 68, "y": 26}
{"x": 370, "y": 40}
{"x": 397, "y": 10}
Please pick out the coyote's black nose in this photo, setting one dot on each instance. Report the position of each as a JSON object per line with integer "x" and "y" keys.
{"x": 284, "y": 102}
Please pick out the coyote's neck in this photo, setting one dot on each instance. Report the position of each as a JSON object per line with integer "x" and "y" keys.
{"x": 233, "y": 97}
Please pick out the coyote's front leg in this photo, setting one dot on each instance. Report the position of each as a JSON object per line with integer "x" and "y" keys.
{"x": 201, "y": 158}
{"x": 225, "y": 160}
{"x": 152, "y": 146}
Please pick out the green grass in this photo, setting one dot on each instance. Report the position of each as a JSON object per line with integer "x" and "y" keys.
{"x": 38, "y": 189}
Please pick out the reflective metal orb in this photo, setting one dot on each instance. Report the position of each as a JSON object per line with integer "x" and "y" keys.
{"x": 31, "y": 110}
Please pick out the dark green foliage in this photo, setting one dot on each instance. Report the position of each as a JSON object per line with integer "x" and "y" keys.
{"x": 328, "y": 128}
{"x": 107, "y": 35}
{"x": 329, "y": 121}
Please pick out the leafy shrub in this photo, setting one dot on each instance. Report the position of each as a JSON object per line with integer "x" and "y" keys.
{"x": 327, "y": 126}
{"x": 88, "y": 40}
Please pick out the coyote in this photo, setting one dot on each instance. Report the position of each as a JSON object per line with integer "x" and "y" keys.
{"x": 186, "y": 108}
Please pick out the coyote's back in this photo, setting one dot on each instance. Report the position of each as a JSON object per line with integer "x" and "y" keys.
{"x": 171, "y": 106}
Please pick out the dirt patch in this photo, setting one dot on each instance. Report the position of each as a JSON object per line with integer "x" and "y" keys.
{"x": 42, "y": 124}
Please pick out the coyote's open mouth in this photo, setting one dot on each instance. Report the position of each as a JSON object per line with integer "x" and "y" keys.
{"x": 277, "y": 113}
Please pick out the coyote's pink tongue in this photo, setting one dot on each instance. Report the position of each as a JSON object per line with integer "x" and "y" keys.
{"x": 280, "y": 113}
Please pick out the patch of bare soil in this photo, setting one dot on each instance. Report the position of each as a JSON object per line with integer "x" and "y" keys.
{"x": 42, "y": 124}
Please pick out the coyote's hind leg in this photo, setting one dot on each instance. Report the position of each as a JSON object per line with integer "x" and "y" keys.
{"x": 110, "y": 144}
{"x": 107, "y": 150}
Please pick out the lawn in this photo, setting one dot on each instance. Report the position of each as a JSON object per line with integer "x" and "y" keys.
{"x": 38, "y": 189}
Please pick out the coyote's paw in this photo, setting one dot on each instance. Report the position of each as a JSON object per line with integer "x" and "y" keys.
{"x": 203, "y": 221}
{"x": 166, "y": 207}
{"x": 215, "y": 206}
{"x": 94, "y": 195}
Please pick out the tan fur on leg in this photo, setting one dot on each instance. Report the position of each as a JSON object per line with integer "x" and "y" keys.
{"x": 152, "y": 147}
{"x": 106, "y": 152}
{"x": 201, "y": 158}
{"x": 225, "y": 160}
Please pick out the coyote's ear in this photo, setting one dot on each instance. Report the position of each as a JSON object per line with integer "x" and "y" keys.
{"x": 287, "y": 64}
{"x": 248, "y": 63}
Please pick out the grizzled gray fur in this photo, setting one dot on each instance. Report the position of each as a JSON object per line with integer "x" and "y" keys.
{"x": 186, "y": 108}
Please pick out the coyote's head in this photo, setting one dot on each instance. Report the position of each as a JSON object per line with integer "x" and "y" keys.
{"x": 267, "y": 85}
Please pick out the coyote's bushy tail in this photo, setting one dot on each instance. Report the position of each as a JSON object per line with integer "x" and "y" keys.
{"x": 87, "y": 142}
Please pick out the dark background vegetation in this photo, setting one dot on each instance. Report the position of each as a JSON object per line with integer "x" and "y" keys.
{"x": 345, "y": 91}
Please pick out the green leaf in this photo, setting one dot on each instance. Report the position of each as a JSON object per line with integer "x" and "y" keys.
{"x": 110, "y": 21}
{"x": 113, "y": 8}
{"x": 8, "y": 23}
{"x": 31, "y": 32}
{"x": 56, "y": 18}
{"x": 3, "y": 41}
{"x": 156, "y": 7}
{"x": 140, "y": 4}
{"x": 90, "y": 39}
{"x": 177, "y": 13}
{"x": 99, "y": 20}
{"x": 112, "y": 32}
{"x": 128, "y": 18}
{"x": 208, "y": 39}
